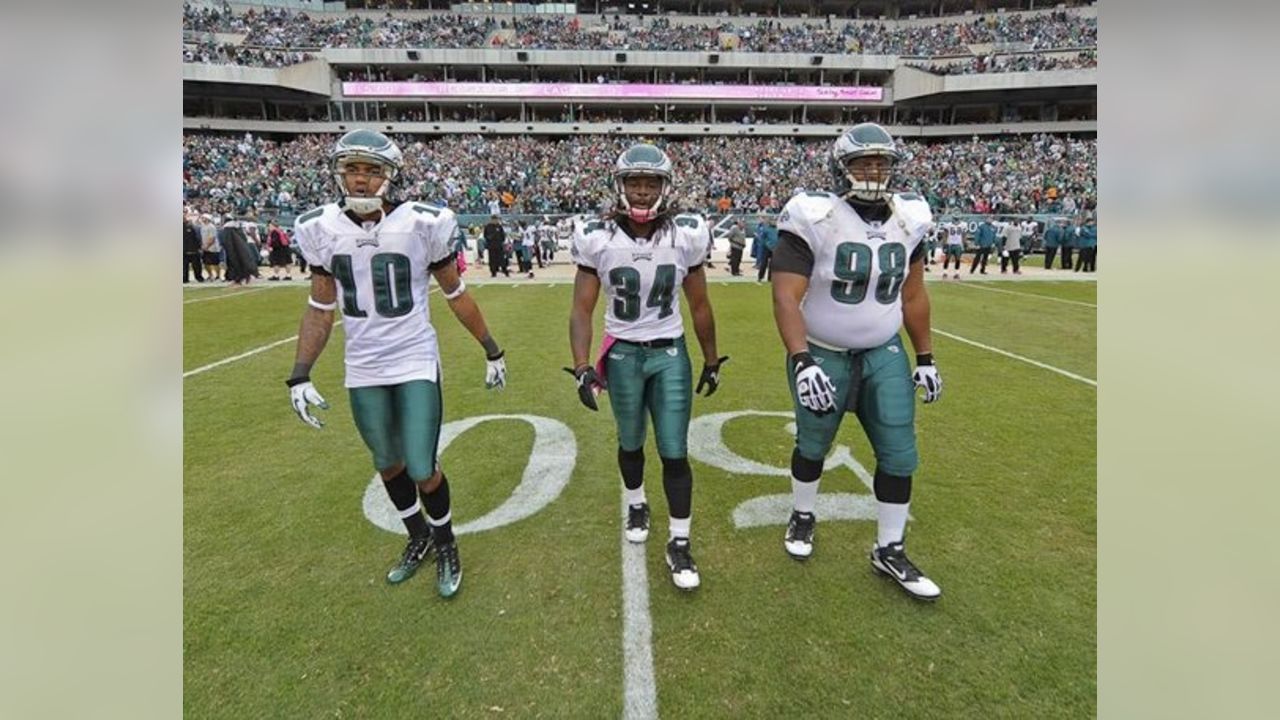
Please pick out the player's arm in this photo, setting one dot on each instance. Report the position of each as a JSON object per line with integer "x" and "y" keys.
{"x": 915, "y": 318}
{"x": 586, "y": 290}
{"x": 915, "y": 308}
{"x": 704, "y": 321}
{"x": 317, "y": 322}
{"x": 704, "y": 326}
{"x": 792, "y": 265}
{"x": 463, "y": 306}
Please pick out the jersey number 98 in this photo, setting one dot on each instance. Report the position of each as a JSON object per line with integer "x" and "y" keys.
{"x": 853, "y": 271}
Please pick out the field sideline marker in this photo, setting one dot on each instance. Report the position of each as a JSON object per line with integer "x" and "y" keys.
{"x": 1025, "y": 294}
{"x": 1029, "y": 361}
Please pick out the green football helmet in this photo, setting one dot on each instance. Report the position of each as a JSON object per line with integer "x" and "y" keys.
{"x": 643, "y": 159}
{"x": 863, "y": 140}
{"x": 365, "y": 146}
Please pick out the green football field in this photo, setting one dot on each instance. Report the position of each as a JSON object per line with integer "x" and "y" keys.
{"x": 287, "y": 615}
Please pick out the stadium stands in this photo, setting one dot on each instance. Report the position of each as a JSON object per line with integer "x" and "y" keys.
{"x": 228, "y": 174}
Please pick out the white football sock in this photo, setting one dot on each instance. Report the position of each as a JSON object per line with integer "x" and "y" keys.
{"x": 804, "y": 495}
{"x": 633, "y": 497}
{"x": 680, "y": 527}
{"x": 892, "y": 522}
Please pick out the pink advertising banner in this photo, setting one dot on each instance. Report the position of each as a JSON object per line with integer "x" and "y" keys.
{"x": 601, "y": 91}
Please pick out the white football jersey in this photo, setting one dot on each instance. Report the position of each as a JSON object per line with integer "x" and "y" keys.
{"x": 854, "y": 300}
{"x": 383, "y": 272}
{"x": 955, "y": 234}
{"x": 642, "y": 277}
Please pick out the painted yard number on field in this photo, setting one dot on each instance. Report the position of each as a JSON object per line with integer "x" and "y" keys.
{"x": 555, "y": 452}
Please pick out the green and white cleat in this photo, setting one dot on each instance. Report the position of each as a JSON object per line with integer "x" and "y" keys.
{"x": 418, "y": 549}
{"x": 448, "y": 570}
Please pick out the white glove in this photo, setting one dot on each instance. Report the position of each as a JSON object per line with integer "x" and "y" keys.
{"x": 927, "y": 377}
{"x": 813, "y": 387}
{"x": 302, "y": 394}
{"x": 495, "y": 372}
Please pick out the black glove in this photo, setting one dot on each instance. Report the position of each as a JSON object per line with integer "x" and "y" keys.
{"x": 588, "y": 381}
{"x": 711, "y": 377}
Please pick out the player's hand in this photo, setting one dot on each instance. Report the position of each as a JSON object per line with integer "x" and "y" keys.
{"x": 711, "y": 377}
{"x": 302, "y": 394}
{"x": 495, "y": 371}
{"x": 813, "y": 387}
{"x": 926, "y": 376}
{"x": 589, "y": 385}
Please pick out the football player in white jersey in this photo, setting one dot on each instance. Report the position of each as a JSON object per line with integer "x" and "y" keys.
{"x": 379, "y": 255}
{"x": 847, "y": 276}
{"x": 954, "y": 248}
{"x": 641, "y": 254}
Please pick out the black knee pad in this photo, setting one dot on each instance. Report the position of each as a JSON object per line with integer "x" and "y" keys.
{"x": 401, "y": 490}
{"x": 676, "y": 467}
{"x": 631, "y": 465}
{"x": 804, "y": 469}
{"x": 677, "y": 483}
{"x": 892, "y": 488}
{"x": 437, "y": 501}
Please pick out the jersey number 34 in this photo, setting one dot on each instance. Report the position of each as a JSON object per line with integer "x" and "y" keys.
{"x": 626, "y": 285}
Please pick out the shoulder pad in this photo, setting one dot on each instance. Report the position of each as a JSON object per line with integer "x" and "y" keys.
{"x": 808, "y": 207}
{"x": 433, "y": 211}
{"x": 429, "y": 214}
{"x": 591, "y": 225}
{"x": 690, "y": 228}
{"x": 308, "y": 216}
{"x": 912, "y": 211}
{"x": 688, "y": 220}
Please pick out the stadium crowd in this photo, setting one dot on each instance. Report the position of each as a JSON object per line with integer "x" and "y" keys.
{"x": 1010, "y": 63}
{"x": 213, "y": 53}
{"x": 282, "y": 28}
{"x": 246, "y": 174}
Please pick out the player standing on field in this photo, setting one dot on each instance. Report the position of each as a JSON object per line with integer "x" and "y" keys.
{"x": 380, "y": 255}
{"x": 641, "y": 254}
{"x": 847, "y": 276}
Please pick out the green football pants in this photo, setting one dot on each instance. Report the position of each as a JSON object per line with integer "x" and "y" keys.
{"x": 654, "y": 380}
{"x": 884, "y": 403}
{"x": 400, "y": 423}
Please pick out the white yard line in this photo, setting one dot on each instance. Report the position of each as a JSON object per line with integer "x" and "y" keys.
{"x": 640, "y": 693}
{"x": 1015, "y": 292}
{"x": 225, "y": 295}
{"x": 255, "y": 351}
{"x": 1029, "y": 361}
{"x": 241, "y": 356}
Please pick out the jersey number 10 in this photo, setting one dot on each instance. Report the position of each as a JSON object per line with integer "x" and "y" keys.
{"x": 392, "y": 291}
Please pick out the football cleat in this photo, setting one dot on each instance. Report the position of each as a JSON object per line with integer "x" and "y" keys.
{"x": 637, "y": 528}
{"x": 892, "y": 560}
{"x": 448, "y": 570}
{"x": 799, "y": 539}
{"x": 684, "y": 573}
{"x": 418, "y": 549}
